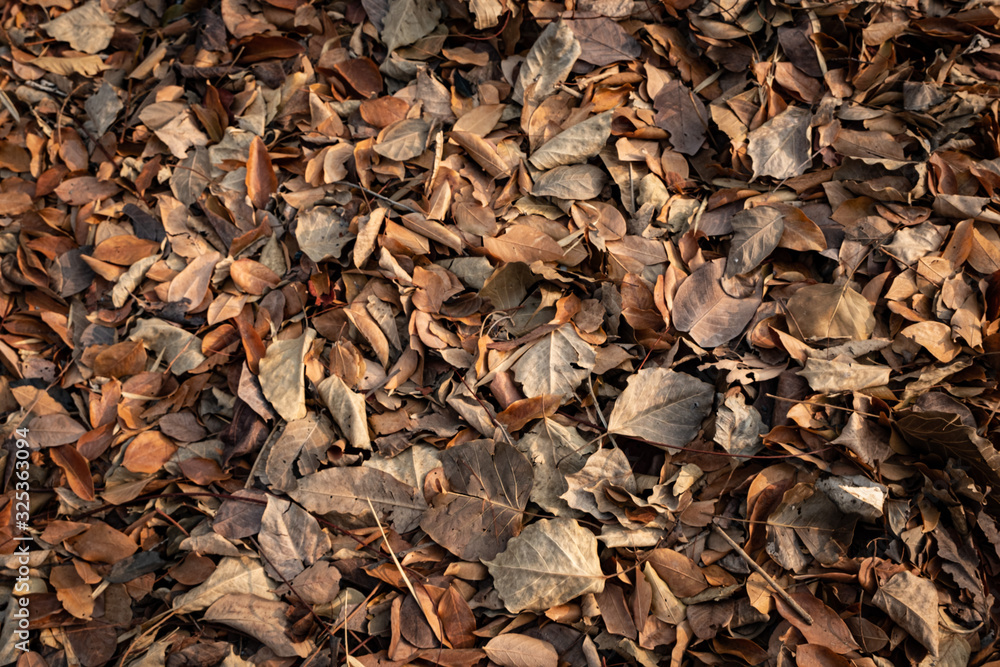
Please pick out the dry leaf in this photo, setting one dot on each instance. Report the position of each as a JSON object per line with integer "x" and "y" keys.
{"x": 86, "y": 28}
{"x": 781, "y": 148}
{"x": 830, "y": 311}
{"x": 551, "y": 562}
{"x": 758, "y": 233}
{"x": 282, "y": 375}
{"x": 662, "y": 407}
{"x": 706, "y": 311}
{"x": 261, "y": 180}
{"x": 514, "y": 650}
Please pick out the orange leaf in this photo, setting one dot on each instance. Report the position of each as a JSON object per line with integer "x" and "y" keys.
{"x": 261, "y": 180}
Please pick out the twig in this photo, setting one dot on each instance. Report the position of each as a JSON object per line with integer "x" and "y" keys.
{"x": 768, "y": 578}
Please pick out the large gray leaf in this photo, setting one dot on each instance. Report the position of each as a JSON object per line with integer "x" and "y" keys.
{"x": 555, "y": 451}
{"x": 662, "y": 406}
{"x": 282, "y": 375}
{"x": 290, "y": 537}
{"x": 552, "y": 562}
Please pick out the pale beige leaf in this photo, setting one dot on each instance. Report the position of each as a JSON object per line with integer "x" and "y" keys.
{"x": 347, "y": 407}
{"x": 781, "y": 148}
{"x": 556, "y": 364}
{"x": 264, "y": 620}
{"x": 233, "y": 575}
{"x": 403, "y": 140}
{"x": 555, "y": 451}
{"x": 662, "y": 406}
{"x": 86, "y": 65}
{"x": 86, "y": 28}
{"x": 345, "y": 492}
{"x": 583, "y": 140}
{"x": 407, "y": 21}
{"x": 282, "y": 375}
{"x": 290, "y": 537}
{"x": 190, "y": 286}
{"x": 579, "y": 181}
{"x": 935, "y": 337}
{"x": 302, "y": 445}
{"x": 175, "y": 347}
{"x": 550, "y": 563}
{"x": 514, "y": 650}
{"x": 843, "y": 374}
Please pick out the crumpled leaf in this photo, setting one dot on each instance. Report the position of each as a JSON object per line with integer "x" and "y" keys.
{"x": 551, "y": 562}
{"x": 912, "y": 602}
{"x": 322, "y": 233}
{"x": 681, "y": 112}
{"x": 290, "y": 538}
{"x": 579, "y": 181}
{"x": 243, "y": 575}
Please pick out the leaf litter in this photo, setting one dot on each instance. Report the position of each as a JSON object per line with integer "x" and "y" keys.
{"x": 501, "y": 333}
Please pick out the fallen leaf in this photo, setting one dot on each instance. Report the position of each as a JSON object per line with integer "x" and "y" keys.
{"x": 781, "y": 148}
{"x": 86, "y": 28}
{"x": 261, "y": 180}
{"x": 758, "y": 233}
{"x": 912, "y": 602}
{"x": 551, "y": 562}
{"x": 547, "y": 64}
{"x": 583, "y": 140}
{"x": 556, "y": 364}
{"x": 662, "y": 407}
{"x": 704, "y": 309}
{"x": 407, "y": 21}
{"x": 514, "y": 650}
{"x": 282, "y": 375}
{"x": 263, "y": 619}
{"x": 830, "y": 311}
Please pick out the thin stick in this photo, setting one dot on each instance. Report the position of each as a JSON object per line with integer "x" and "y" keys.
{"x": 768, "y": 578}
{"x": 372, "y": 193}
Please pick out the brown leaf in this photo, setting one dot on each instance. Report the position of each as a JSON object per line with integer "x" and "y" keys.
{"x": 706, "y": 311}
{"x": 53, "y": 430}
{"x": 912, "y": 602}
{"x": 261, "y": 180}
{"x": 758, "y": 233}
{"x": 827, "y": 628}
{"x": 662, "y": 407}
{"x": 488, "y": 489}
{"x": 253, "y": 277}
{"x": 681, "y": 113}
{"x": 522, "y": 243}
{"x": 581, "y": 181}
{"x": 148, "y": 452}
{"x": 262, "y": 619}
{"x": 121, "y": 360}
